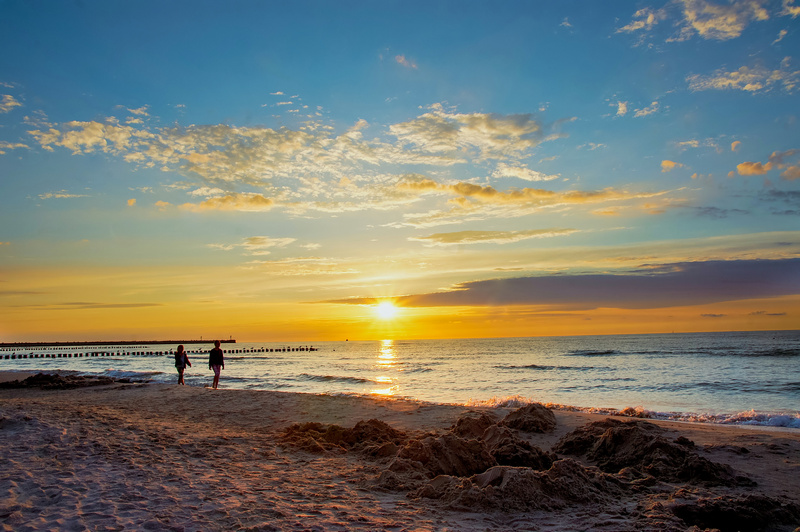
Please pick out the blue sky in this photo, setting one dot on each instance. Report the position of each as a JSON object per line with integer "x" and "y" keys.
{"x": 275, "y": 169}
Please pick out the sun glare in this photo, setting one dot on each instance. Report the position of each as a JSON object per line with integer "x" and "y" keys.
{"x": 386, "y": 310}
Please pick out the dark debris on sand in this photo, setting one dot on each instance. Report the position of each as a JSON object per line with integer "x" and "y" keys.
{"x": 627, "y": 469}
{"x": 59, "y": 382}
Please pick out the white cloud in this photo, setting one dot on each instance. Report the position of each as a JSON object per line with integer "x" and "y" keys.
{"x": 789, "y": 9}
{"x": 207, "y": 192}
{"x": 521, "y": 172}
{"x": 708, "y": 20}
{"x": 653, "y": 108}
{"x": 8, "y": 103}
{"x": 61, "y": 194}
{"x": 11, "y": 146}
{"x": 749, "y": 79}
{"x": 644, "y": 19}
{"x": 401, "y": 60}
{"x": 488, "y": 237}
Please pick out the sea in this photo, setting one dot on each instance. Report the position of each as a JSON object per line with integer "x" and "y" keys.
{"x": 747, "y": 378}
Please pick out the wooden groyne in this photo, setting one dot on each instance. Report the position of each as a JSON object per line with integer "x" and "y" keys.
{"x": 78, "y": 351}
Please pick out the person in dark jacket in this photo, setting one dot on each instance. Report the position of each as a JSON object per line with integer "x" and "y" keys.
{"x": 216, "y": 362}
{"x": 181, "y": 361}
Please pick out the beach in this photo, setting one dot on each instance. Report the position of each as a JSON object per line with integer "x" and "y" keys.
{"x": 154, "y": 456}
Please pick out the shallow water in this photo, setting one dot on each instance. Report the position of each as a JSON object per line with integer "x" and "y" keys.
{"x": 742, "y": 377}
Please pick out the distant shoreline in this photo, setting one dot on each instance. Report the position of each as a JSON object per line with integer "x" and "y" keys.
{"x": 113, "y": 342}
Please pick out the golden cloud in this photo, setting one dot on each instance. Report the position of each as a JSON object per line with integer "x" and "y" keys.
{"x": 232, "y": 202}
{"x": 488, "y": 237}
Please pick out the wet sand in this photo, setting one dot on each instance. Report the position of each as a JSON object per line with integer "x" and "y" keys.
{"x": 168, "y": 457}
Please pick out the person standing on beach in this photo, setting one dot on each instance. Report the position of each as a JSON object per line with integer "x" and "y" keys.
{"x": 216, "y": 362}
{"x": 181, "y": 361}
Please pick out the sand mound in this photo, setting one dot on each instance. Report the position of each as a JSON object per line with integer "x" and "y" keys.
{"x": 639, "y": 446}
{"x": 58, "y": 382}
{"x": 531, "y": 418}
{"x": 506, "y": 488}
{"x": 448, "y": 454}
{"x": 372, "y": 437}
{"x": 472, "y": 425}
{"x": 510, "y": 450}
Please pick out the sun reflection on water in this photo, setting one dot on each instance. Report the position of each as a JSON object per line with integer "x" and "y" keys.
{"x": 386, "y": 361}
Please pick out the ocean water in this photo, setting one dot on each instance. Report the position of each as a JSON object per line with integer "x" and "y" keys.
{"x": 735, "y": 377}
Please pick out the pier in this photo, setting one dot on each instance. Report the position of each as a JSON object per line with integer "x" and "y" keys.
{"x": 112, "y": 342}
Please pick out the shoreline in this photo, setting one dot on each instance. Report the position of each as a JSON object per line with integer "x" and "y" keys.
{"x": 691, "y": 418}
{"x": 166, "y": 456}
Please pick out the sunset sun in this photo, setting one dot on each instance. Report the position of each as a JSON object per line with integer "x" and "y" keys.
{"x": 386, "y": 310}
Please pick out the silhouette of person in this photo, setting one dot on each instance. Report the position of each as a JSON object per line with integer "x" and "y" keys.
{"x": 181, "y": 361}
{"x": 216, "y": 362}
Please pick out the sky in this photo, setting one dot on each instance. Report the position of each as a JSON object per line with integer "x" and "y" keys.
{"x": 315, "y": 170}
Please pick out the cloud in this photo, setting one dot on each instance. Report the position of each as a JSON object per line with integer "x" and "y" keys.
{"x": 477, "y": 202}
{"x": 87, "y": 305}
{"x": 781, "y": 35}
{"x": 622, "y": 108}
{"x": 765, "y": 313}
{"x": 489, "y": 237}
{"x": 8, "y": 103}
{"x": 163, "y": 205}
{"x": 708, "y": 20}
{"x": 302, "y": 267}
{"x": 401, "y": 60}
{"x": 647, "y": 110}
{"x": 521, "y": 172}
{"x": 750, "y": 168}
{"x": 232, "y": 202}
{"x": 207, "y": 192}
{"x": 668, "y": 166}
{"x": 750, "y": 79}
{"x": 735, "y": 145}
{"x": 11, "y": 146}
{"x": 644, "y": 19}
{"x": 257, "y": 245}
{"x": 720, "y": 21}
{"x": 656, "y": 286}
{"x": 141, "y": 111}
{"x": 131, "y": 202}
{"x": 789, "y": 9}
{"x": 61, "y": 194}
{"x": 479, "y": 135}
{"x": 788, "y": 161}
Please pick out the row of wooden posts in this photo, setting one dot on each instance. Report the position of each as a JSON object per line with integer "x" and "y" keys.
{"x": 15, "y": 355}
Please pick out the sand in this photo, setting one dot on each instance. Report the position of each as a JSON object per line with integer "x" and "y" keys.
{"x": 133, "y": 456}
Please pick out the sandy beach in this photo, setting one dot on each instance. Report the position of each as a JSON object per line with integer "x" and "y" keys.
{"x": 136, "y": 456}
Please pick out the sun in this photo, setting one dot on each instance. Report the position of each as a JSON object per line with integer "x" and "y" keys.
{"x": 386, "y": 310}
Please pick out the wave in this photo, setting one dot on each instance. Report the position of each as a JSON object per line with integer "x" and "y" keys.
{"x": 122, "y": 374}
{"x": 335, "y": 378}
{"x": 538, "y": 367}
{"x": 749, "y": 417}
{"x": 593, "y": 353}
{"x": 775, "y": 352}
